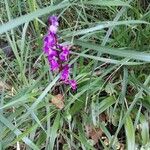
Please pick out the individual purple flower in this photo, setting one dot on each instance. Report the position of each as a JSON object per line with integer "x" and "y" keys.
{"x": 53, "y": 29}
{"x": 65, "y": 73}
{"x": 49, "y": 40}
{"x": 49, "y": 51}
{"x": 52, "y": 52}
{"x": 64, "y": 54}
{"x": 53, "y": 63}
{"x": 53, "y": 20}
{"x": 73, "y": 84}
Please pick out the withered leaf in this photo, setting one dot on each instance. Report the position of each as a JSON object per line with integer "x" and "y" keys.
{"x": 104, "y": 117}
{"x": 94, "y": 133}
{"x": 58, "y": 101}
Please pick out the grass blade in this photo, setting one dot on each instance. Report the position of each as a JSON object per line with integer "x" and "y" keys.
{"x": 106, "y": 60}
{"x": 115, "y": 51}
{"x": 104, "y": 25}
{"x": 54, "y": 129}
{"x": 18, "y": 132}
{"x": 107, "y": 3}
{"x": 144, "y": 129}
{"x": 106, "y": 103}
{"x": 130, "y": 133}
{"x": 29, "y": 17}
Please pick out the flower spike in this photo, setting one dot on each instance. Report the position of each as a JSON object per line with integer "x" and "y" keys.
{"x": 57, "y": 54}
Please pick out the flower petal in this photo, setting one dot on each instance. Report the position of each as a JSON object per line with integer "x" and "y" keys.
{"x": 53, "y": 63}
{"x": 53, "y": 20}
{"x": 65, "y": 73}
{"x": 73, "y": 84}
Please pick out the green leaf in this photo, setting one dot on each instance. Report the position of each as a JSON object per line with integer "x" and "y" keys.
{"x": 41, "y": 139}
{"x": 104, "y": 25}
{"x": 146, "y": 102}
{"x": 32, "y": 128}
{"x": 130, "y": 133}
{"x": 29, "y": 17}
{"x": 106, "y": 60}
{"x": 14, "y": 102}
{"x": 77, "y": 106}
{"x": 17, "y": 132}
{"x": 144, "y": 129}
{"x": 106, "y": 103}
{"x": 82, "y": 139}
{"x": 107, "y": 3}
{"x": 53, "y": 133}
{"x": 115, "y": 51}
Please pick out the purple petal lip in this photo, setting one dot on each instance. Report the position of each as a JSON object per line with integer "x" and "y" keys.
{"x": 65, "y": 73}
{"x": 64, "y": 54}
{"x": 53, "y": 63}
{"x": 63, "y": 57}
{"x": 52, "y": 52}
{"x": 65, "y": 48}
{"x": 73, "y": 84}
{"x": 49, "y": 40}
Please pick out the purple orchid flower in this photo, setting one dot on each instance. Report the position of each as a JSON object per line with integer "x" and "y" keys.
{"x": 64, "y": 54}
{"x": 53, "y": 63}
{"x": 58, "y": 55}
{"x": 65, "y": 73}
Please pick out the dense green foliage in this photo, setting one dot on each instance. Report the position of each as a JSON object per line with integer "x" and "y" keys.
{"x": 110, "y": 61}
